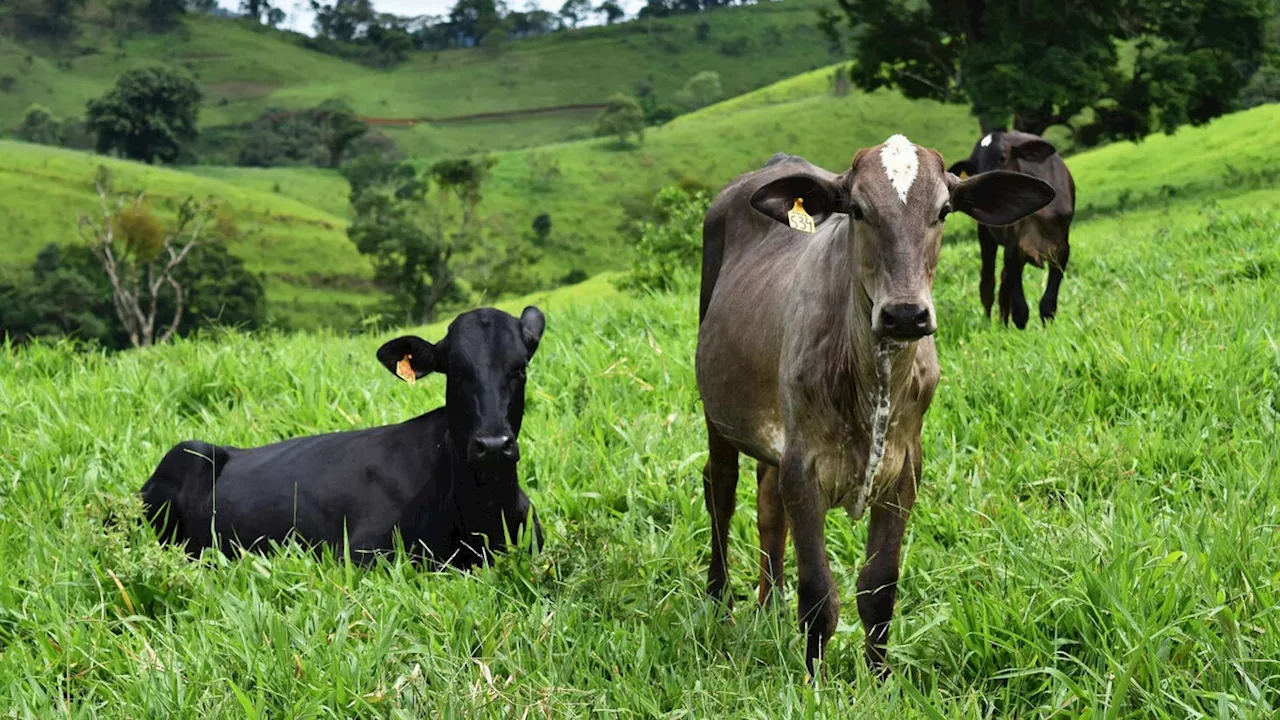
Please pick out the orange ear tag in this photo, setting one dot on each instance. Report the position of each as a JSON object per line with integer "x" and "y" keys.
{"x": 405, "y": 370}
{"x": 799, "y": 219}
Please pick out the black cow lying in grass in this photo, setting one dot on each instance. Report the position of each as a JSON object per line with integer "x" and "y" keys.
{"x": 445, "y": 481}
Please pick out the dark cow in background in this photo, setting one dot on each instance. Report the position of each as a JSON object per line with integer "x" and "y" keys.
{"x": 1039, "y": 238}
{"x": 445, "y": 481}
{"x": 815, "y": 357}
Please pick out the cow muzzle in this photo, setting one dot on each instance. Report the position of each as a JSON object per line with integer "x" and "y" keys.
{"x": 491, "y": 450}
{"x": 904, "y": 321}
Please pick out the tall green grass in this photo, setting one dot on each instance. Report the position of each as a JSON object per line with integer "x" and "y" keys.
{"x": 1094, "y": 537}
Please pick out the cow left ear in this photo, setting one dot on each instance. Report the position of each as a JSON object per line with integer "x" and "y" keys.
{"x": 1033, "y": 150}
{"x": 422, "y": 357}
{"x": 1000, "y": 197}
{"x": 821, "y": 197}
{"x": 532, "y": 323}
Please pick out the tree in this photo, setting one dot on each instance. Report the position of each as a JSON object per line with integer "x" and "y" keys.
{"x": 343, "y": 20}
{"x": 611, "y": 11}
{"x": 162, "y": 15}
{"x": 262, "y": 11}
{"x": 150, "y": 114}
{"x": 338, "y": 130}
{"x": 622, "y": 117}
{"x": 473, "y": 19}
{"x": 541, "y": 229}
{"x": 38, "y": 126}
{"x": 575, "y": 11}
{"x": 411, "y": 238}
{"x": 1039, "y": 63}
{"x": 494, "y": 42}
{"x": 47, "y": 18}
{"x": 701, "y": 90}
{"x": 140, "y": 256}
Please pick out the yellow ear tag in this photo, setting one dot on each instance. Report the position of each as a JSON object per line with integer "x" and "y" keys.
{"x": 405, "y": 370}
{"x": 799, "y": 219}
{"x": 963, "y": 174}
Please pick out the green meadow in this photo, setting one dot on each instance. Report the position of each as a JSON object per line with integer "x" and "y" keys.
{"x": 1095, "y": 533}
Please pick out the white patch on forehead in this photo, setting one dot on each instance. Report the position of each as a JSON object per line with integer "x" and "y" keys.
{"x": 898, "y": 156}
{"x": 986, "y": 140}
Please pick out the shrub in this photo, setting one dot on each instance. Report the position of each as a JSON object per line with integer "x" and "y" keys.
{"x": 668, "y": 250}
{"x": 38, "y": 126}
{"x": 622, "y": 118}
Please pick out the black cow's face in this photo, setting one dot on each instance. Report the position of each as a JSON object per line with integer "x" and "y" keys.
{"x": 484, "y": 357}
{"x": 1012, "y": 151}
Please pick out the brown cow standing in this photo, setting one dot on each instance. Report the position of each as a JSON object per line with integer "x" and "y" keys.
{"x": 814, "y": 357}
{"x": 1039, "y": 238}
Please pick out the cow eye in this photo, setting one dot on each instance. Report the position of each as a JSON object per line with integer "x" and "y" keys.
{"x": 942, "y": 214}
{"x": 855, "y": 210}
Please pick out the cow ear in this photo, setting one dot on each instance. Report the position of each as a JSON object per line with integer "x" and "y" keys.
{"x": 962, "y": 168}
{"x": 423, "y": 357}
{"x": 1000, "y": 197}
{"x": 532, "y": 323}
{"x": 1033, "y": 150}
{"x": 821, "y": 197}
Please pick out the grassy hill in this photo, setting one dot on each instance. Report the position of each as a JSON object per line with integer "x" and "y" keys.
{"x": 296, "y": 215}
{"x": 1094, "y": 534}
{"x": 244, "y": 69}
{"x": 314, "y": 275}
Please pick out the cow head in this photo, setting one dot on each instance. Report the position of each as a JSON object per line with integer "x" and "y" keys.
{"x": 483, "y": 357}
{"x": 1012, "y": 151}
{"x": 897, "y": 195}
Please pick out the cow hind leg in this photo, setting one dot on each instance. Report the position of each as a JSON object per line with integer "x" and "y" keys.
{"x": 987, "y": 286}
{"x": 771, "y": 520}
{"x": 720, "y": 487}
{"x": 878, "y": 579}
{"x": 1049, "y": 301}
{"x": 187, "y": 463}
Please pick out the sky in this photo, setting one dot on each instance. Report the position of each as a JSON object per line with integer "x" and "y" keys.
{"x": 299, "y": 15}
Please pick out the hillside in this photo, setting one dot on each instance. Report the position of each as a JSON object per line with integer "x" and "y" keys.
{"x": 244, "y": 69}
{"x": 296, "y": 214}
{"x": 1094, "y": 534}
{"x": 314, "y": 275}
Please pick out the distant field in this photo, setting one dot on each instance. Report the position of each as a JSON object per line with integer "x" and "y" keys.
{"x": 598, "y": 182}
{"x": 244, "y": 69}
{"x": 1095, "y": 534}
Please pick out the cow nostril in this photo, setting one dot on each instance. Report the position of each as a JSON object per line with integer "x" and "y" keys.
{"x": 508, "y": 445}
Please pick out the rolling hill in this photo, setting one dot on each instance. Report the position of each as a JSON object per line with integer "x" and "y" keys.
{"x": 245, "y": 69}
{"x": 314, "y": 275}
{"x": 294, "y": 216}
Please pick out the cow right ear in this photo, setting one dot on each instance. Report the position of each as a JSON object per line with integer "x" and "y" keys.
{"x": 821, "y": 197}
{"x": 422, "y": 357}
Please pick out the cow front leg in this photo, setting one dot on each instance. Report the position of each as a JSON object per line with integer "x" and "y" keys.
{"x": 878, "y": 580}
{"x": 987, "y": 286}
{"x": 1013, "y": 302}
{"x": 1049, "y": 301}
{"x": 719, "y": 488}
{"x": 819, "y": 599}
{"x": 771, "y": 520}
